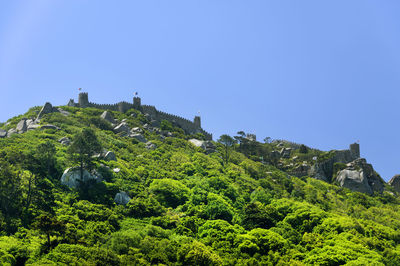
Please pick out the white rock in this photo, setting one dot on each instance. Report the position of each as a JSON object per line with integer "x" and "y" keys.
{"x": 65, "y": 141}
{"x": 150, "y": 145}
{"x": 122, "y": 198}
{"x": 72, "y": 177}
{"x": 116, "y": 170}
{"x": 11, "y": 132}
{"x": 138, "y": 137}
{"x": 123, "y": 127}
{"x": 3, "y": 133}
{"x": 21, "y": 126}
{"x": 33, "y": 127}
{"x": 196, "y": 142}
{"x": 106, "y": 115}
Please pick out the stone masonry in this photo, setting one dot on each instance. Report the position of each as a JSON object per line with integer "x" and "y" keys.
{"x": 190, "y": 127}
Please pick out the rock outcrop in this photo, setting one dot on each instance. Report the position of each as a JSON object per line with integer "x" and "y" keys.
{"x": 47, "y": 109}
{"x": 106, "y": 115}
{"x": 324, "y": 170}
{"x": 22, "y": 126}
{"x": 138, "y": 137}
{"x": 3, "y": 133}
{"x": 110, "y": 156}
{"x": 122, "y": 198}
{"x": 65, "y": 141}
{"x": 354, "y": 180}
{"x": 360, "y": 176}
{"x": 72, "y": 177}
{"x": 285, "y": 152}
{"x": 11, "y": 132}
{"x": 395, "y": 183}
{"x": 122, "y": 128}
{"x": 207, "y": 145}
{"x": 150, "y": 145}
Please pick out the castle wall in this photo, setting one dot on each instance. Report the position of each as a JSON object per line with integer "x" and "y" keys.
{"x": 190, "y": 127}
{"x": 187, "y": 125}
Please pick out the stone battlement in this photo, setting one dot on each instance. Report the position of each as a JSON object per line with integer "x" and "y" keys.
{"x": 190, "y": 127}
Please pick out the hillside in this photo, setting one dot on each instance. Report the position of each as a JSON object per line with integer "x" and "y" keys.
{"x": 154, "y": 193}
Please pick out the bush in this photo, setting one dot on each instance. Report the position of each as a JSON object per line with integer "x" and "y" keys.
{"x": 169, "y": 192}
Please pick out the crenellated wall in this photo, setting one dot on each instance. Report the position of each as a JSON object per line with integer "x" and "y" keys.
{"x": 190, "y": 127}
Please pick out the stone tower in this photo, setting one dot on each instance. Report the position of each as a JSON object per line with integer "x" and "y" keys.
{"x": 197, "y": 122}
{"x": 355, "y": 150}
{"x": 83, "y": 99}
{"x": 137, "y": 103}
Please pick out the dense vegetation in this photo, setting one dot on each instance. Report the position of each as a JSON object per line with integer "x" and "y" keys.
{"x": 188, "y": 207}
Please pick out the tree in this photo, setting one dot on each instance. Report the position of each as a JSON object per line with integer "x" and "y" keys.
{"x": 46, "y": 154}
{"x": 10, "y": 193}
{"x": 49, "y": 225}
{"x": 267, "y": 139}
{"x": 241, "y": 138}
{"x": 84, "y": 145}
{"x": 303, "y": 149}
{"x": 227, "y": 141}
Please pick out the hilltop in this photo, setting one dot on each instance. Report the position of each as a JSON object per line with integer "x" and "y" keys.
{"x": 159, "y": 190}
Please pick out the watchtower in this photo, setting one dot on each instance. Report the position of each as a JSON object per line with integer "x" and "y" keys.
{"x": 355, "y": 150}
{"x": 83, "y": 99}
{"x": 197, "y": 121}
{"x": 137, "y": 103}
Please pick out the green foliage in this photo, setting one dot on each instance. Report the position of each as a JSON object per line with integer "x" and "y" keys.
{"x": 169, "y": 192}
{"x": 303, "y": 149}
{"x": 237, "y": 206}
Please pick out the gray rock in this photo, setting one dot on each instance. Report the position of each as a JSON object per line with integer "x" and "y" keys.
{"x": 106, "y": 115}
{"x": 285, "y": 152}
{"x": 11, "y": 132}
{"x": 301, "y": 170}
{"x": 196, "y": 142}
{"x": 33, "y": 127}
{"x": 116, "y": 170}
{"x": 65, "y": 141}
{"x": 360, "y": 176}
{"x": 3, "y": 133}
{"x": 21, "y": 126}
{"x": 49, "y": 127}
{"x": 72, "y": 177}
{"x": 136, "y": 130}
{"x": 150, "y": 145}
{"x": 63, "y": 112}
{"x": 30, "y": 122}
{"x": 166, "y": 133}
{"x": 47, "y": 109}
{"x": 395, "y": 183}
{"x": 354, "y": 180}
{"x": 138, "y": 137}
{"x": 123, "y": 127}
{"x": 110, "y": 156}
{"x": 324, "y": 170}
{"x": 122, "y": 198}
{"x": 207, "y": 145}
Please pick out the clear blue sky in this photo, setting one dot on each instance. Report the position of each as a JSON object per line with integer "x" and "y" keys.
{"x": 323, "y": 73}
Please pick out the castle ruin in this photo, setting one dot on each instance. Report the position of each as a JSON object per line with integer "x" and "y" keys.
{"x": 190, "y": 127}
